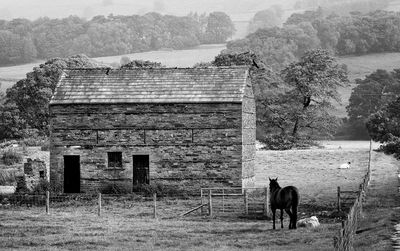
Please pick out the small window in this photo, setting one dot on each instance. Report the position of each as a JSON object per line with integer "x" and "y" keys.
{"x": 114, "y": 159}
{"x": 41, "y": 174}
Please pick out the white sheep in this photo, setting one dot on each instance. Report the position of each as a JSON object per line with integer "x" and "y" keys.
{"x": 345, "y": 165}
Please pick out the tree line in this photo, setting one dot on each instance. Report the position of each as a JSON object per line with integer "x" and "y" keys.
{"x": 356, "y": 33}
{"x": 23, "y": 41}
{"x": 343, "y": 6}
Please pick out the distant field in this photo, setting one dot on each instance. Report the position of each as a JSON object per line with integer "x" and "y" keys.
{"x": 359, "y": 67}
{"x": 170, "y": 58}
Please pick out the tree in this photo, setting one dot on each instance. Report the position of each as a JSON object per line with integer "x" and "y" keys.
{"x": 12, "y": 125}
{"x": 384, "y": 126}
{"x": 369, "y": 96}
{"x": 270, "y": 45}
{"x": 266, "y": 19}
{"x": 267, "y": 87}
{"x": 219, "y": 28}
{"x": 29, "y": 97}
{"x": 313, "y": 83}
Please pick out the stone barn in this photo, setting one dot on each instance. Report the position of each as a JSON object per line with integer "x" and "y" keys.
{"x": 186, "y": 127}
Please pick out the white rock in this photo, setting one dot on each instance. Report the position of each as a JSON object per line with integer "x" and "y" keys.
{"x": 308, "y": 222}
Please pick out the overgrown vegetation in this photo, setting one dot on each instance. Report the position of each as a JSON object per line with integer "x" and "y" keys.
{"x": 7, "y": 177}
{"x": 10, "y": 156}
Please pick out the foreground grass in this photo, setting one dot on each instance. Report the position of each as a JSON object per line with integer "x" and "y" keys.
{"x": 382, "y": 206}
{"x": 82, "y": 230}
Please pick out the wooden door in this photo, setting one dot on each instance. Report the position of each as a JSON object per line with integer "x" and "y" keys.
{"x": 140, "y": 170}
{"x": 72, "y": 174}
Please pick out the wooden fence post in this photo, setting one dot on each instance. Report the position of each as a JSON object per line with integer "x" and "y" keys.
{"x": 266, "y": 206}
{"x": 202, "y": 200}
{"x": 339, "y": 207}
{"x": 223, "y": 200}
{"x": 246, "y": 203}
{"x": 155, "y": 206}
{"x": 47, "y": 202}
{"x": 210, "y": 209}
{"x": 99, "y": 205}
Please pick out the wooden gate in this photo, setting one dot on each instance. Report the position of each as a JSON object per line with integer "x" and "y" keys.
{"x": 237, "y": 200}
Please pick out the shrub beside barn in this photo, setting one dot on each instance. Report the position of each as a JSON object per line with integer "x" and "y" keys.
{"x": 186, "y": 127}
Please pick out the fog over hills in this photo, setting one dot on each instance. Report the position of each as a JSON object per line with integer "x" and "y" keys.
{"x": 33, "y": 9}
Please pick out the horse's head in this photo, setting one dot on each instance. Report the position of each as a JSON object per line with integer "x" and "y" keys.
{"x": 273, "y": 184}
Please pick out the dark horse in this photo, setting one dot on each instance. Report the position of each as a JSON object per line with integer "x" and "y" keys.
{"x": 284, "y": 198}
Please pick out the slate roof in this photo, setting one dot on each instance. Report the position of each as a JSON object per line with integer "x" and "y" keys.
{"x": 151, "y": 85}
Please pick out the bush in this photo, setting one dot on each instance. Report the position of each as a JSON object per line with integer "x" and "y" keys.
{"x": 286, "y": 142}
{"x": 7, "y": 178}
{"x": 278, "y": 142}
{"x": 11, "y": 157}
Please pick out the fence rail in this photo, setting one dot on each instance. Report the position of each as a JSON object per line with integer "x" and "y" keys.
{"x": 344, "y": 241}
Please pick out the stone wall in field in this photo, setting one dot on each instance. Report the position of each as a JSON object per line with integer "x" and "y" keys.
{"x": 189, "y": 145}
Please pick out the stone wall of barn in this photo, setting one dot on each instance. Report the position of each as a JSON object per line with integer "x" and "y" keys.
{"x": 190, "y": 145}
{"x": 248, "y": 137}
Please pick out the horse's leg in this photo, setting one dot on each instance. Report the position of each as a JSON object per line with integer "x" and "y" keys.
{"x": 294, "y": 212}
{"x": 273, "y": 218}
{"x": 281, "y": 218}
{"x": 287, "y": 210}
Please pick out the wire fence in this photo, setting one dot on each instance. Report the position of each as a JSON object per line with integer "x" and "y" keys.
{"x": 344, "y": 241}
{"x": 139, "y": 205}
{"x": 214, "y": 202}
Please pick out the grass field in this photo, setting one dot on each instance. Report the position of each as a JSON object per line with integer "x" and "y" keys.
{"x": 130, "y": 226}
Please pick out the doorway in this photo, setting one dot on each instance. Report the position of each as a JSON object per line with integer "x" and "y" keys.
{"x": 72, "y": 174}
{"x": 140, "y": 170}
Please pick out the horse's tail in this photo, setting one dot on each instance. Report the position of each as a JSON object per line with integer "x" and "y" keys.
{"x": 295, "y": 203}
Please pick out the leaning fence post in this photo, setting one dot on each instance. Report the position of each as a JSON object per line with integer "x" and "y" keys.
{"x": 155, "y": 206}
{"x": 339, "y": 207}
{"x": 210, "y": 209}
{"x": 246, "y": 204}
{"x": 266, "y": 208}
{"x": 99, "y": 205}
{"x": 47, "y": 202}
